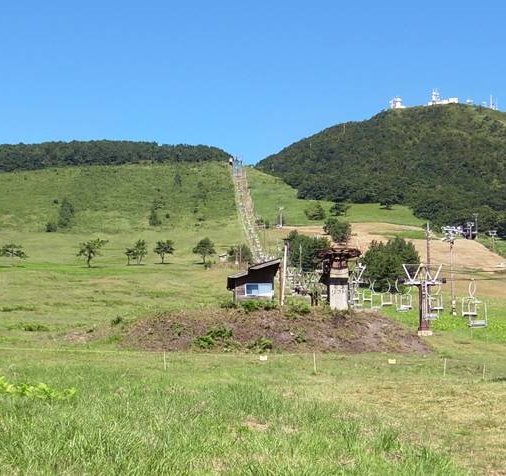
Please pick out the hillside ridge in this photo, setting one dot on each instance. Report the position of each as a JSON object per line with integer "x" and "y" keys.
{"x": 101, "y": 152}
{"x": 446, "y": 162}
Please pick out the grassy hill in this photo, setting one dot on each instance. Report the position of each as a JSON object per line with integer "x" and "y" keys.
{"x": 54, "y": 288}
{"x": 61, "y": 324}
{"x": 446, "y": 162}
{"x": 115, "y": 199}
{"x": 270, "y": 192}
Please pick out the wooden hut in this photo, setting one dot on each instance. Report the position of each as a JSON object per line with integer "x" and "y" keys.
{"x": 257, "y": 282}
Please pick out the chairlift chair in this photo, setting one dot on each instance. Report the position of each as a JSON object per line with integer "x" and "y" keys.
{"x": 356, "y": 296}
{"x": 368, "y": 295}
{"x": 473, "y": 309}
{"x": 387, "y": 298}
{"x": 403, "y": 300}
{"x": 436, "y": 300}
{"x": 356, "y": 299}
{"x": 470, "y": 302}
{"x": 480, "y": 319}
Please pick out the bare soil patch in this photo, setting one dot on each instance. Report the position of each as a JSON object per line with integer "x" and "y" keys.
{"x": 314, "y": 332}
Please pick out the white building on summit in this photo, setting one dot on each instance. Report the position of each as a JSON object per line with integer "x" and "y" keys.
{"x": 435, "y": 99}
{"x": 396, "y": 103}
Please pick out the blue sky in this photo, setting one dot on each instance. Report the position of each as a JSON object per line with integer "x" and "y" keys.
{"x": 250, "y": 77}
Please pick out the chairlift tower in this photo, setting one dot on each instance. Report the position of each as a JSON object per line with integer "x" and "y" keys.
{"x": 493, "y": 235}
{"x": 424, "y": 277}
{"x": 336, "y": 275}
{"x": 280, "y": 209}
{"x": 451, "y": 233}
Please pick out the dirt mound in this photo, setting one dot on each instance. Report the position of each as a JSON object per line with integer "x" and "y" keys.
{"x": 258, "y": 331}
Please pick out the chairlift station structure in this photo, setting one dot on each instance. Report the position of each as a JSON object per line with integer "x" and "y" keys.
{"x": 336, "y": 275}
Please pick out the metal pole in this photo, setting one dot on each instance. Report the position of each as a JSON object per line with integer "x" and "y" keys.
{"x": 283, "y": 276}
{"x": 424, "y": 325}
{"x": 452, "y": 281}
{"x": 427, "y": 237}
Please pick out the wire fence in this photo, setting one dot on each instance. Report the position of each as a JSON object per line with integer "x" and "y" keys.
{"x": 479, "y": 368}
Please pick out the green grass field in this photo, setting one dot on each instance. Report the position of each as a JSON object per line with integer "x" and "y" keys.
{"x": 498, "y": 245}
{"x": 233, "y": 414}
{"x": 117, "y": 199}
{"x": 205, "y": 413}
{"x": 269, "y": 193}
{"x": 54, "y": 288}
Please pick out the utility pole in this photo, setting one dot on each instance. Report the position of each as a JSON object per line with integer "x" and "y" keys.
{"x": 283, "y": 275}
{"x": 452, "y": 280}
{"x": 451, "y": 233}
{"x": 428, "y": 235}
{"x": 475, "y": 215}
{"x": 493, "y": 234}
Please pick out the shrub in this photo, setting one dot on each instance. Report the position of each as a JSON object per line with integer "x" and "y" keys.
{"x": 250, "y": 305}
{"x": 214, "y": 335}
{"x": 33, "y": 327}
{"x": 51, "y": 227}
{"x": 40, "y": 391}
{"x": 228, "y": 304}
{"x": 300, "y": 337}
{"x": 116, "y": 320}
{"x": 204, "y": 342}
{"x": 315, "y": 211}
{"x": 220, "y": 332}
{"x": 298, "y": 308}
{"x": 339, "y": 231}
{"x": 304, "y": 250}
{"x": 262, "y": 344}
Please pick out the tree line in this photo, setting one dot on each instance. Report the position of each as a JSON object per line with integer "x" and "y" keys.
{"x": 102, "y": 152}
{"x": 89, "y": 250}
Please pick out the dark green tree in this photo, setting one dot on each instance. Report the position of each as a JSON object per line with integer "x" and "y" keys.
{"x": 339, "y": 208}
{"x": 66, "y": 214}
{"x": 51, "y": 227}
{"x": 90, "y": 249}
{"x": 340, "y": 231}
{"x": 137, "y": 252}
{"x": 204, "y": 248}
{"x": 304, "y": 251}
{"x": 315, "y": 211}
{"x": 384, "y": 261}
{"x": 130, "y": 254}
{"x": 141, "y": 250}
{"x": 240, "y": 254}
{"x": 387, "y": 199}
{"x": 163, "y": 248}
{"x": 154, "y": 219}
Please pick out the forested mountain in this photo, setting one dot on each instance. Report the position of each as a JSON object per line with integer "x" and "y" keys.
{"x": 446, "y": 162}
{"x": 102, "y": 152}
